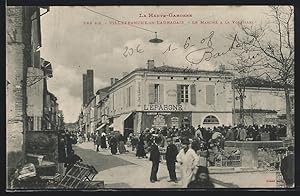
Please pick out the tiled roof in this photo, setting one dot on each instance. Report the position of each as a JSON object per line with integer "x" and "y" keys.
{"x": 256, "y": 111}
{"x": 105, "y": 89}
{"x": 171, "y": 69}
{"x": 257, "y": 82}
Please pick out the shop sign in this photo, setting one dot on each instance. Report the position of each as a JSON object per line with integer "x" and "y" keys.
{"x": 159, "y": 121}
{"x": 175, "y": 122}
{"x": 155, "y": 107}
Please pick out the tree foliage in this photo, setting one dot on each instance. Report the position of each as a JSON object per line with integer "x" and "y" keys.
{"x": 267, "y": 51}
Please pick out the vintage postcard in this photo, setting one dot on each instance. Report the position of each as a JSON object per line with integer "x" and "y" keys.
{"x": 151, "y": 97}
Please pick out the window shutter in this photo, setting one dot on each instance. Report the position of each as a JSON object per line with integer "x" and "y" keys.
{"x": 210, "y": 94}
{"x": 178, "y": 94}
{"x": 161, "y": 93}
{"x": 124, "y": 97}
{"x": 133, "y": 93}
{"x": 193, "y": 94}
{"x": 151, "y": 93}
{"x": 128, "y": 96}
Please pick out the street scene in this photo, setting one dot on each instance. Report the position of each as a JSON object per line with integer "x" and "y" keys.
{"x": 149, "y": 97}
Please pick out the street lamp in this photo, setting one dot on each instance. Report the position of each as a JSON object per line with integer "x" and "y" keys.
{"x": 156, "y": 40}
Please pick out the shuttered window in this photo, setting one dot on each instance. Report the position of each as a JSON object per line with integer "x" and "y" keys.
{"x": 161, "y": 94}
{"x": 129, "y": 96}
{"x": 178, "y": 94}
{"x": 151, "y": 93}
{"x": 124, "y": 97}
{"x": 184, "y": 93}
{"x": 156, "y": 93}
{"x": 193, "y": 94}
{"x": 210, "y": 94}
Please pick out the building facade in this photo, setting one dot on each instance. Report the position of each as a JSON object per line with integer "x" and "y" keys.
{"x": 23, "y": 35}
{"x": 169, "y": 97}
{"x": 264, "y": 103}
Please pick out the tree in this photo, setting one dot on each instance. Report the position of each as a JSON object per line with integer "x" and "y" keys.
{"x": 268, "y": 49}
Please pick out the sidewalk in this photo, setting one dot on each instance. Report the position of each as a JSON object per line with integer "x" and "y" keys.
{"x": 133, "y": 176}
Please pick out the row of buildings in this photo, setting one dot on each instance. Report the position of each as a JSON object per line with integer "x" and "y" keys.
{"x": 43, "y": 111}
{"x": 33, "y": 114}
{"x": 167, "y": 96}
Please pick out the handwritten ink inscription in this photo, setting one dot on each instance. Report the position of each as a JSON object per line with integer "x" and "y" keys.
{"x": 196, "y": 51}
{"x": 130, "y": 51}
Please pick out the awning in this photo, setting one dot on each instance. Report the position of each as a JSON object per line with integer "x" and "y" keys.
{"x": 101, "y": 126}
{"x": 119, "y": 122}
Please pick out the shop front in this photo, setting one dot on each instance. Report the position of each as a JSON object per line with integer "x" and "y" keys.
{"x": 124, "y": 123}
{"x": 165, "y": 119}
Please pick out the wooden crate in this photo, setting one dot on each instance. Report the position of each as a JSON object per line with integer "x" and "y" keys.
{"x": 79, "y": 176}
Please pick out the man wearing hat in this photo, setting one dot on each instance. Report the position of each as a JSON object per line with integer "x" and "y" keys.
{"x": 188, "y": 159}
{"x": 171, "y": 154}
{"x": 155, "y": 158}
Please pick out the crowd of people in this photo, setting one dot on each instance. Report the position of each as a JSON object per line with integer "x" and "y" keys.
{"x": 115, "y": 141}
{"x": 193, "y": 149}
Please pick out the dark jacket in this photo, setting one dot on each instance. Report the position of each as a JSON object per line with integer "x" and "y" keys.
{"x": 154, "y": 153}
{"x": 229, "y": 135}
{"x": 287, "y": 168}
{"x": 171, "y": 153}
{"x": 98, "y": 140}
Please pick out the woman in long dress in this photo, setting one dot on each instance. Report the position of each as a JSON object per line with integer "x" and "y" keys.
{"x": 140, "y": 151}
{"x": 103, "y": 141}
{"x": 113, "y": 145}
{"x": 188, "y": 160}
{"x": 122, "y": 148}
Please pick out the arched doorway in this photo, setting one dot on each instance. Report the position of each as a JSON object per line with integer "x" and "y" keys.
{"x": 210, "y": 121}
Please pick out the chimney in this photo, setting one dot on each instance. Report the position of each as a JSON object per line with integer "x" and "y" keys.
{"x": 150, "y": 64}
{"x": 112, "y": 81}
{"x": 125, "y": 74}
{"x": 222, "y": 68}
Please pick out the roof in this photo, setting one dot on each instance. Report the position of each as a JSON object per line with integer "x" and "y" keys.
{"x": 256, "y": 111}
{"x": 171, "y": 69}
{"x": 258, "y": 82}
{"x": 52, "y": 95}
{"x": 105, "y": 89}
{"x": 47, "y": 67}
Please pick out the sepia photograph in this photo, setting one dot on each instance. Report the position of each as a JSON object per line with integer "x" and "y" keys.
{"x": 150, "y": 97}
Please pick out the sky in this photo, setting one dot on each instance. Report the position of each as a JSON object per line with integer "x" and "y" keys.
{"x": 75, "y": 39}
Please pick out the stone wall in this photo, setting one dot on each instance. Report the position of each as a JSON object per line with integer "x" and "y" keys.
{"x": 17, "y": 59}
